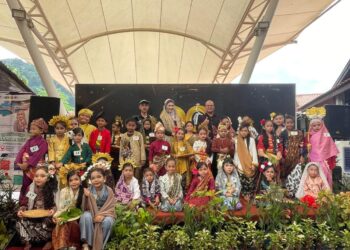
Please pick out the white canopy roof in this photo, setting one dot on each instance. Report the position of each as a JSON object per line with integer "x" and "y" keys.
{"x": 153, "y": 41}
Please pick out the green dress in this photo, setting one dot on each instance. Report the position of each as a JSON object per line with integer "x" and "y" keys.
{"x": 75, "y": 155}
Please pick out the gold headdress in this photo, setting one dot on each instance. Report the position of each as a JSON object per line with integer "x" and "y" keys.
{"x": 315, "y": 113}
{"x": 59, "y": 118}
{"x": 64, "y": 170}
{"x": 272, "y": 115}
{"x": 85, "y": 111}
{"x": 100, "y": 155}
{"x": 127, "y": 161}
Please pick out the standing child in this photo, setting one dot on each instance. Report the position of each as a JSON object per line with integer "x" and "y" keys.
{"x": 100, "y": 138}
{"x": 190, "y": 136}
{"x": 312, "y": 182}
{"x": 202, "y": 147}
{"x": 227, "y": 182}
{"x": 200, "y": 184}
{"x": 58, "y": 144}
{"x": 127, "y": 190}
{"x": 150, "y": 189}
{"x": 98, "y": 218}
{"x": 246, "y": 160}
{"x": 115, "y": 147}
{"x": 269, "y": 147}
{"x": 182, "y": 152}
{"x": 278, "y": 121}
{"x": 39, "y": 195}
{"x": 133, "y": 147}
{"x": 159, "y": 150}
{"x": 247, "y": 120}
{"x": 148, "y": 135}
{"x": 223, "y": 147}
{"x": 84, "y": 117}
{"x": 79, "y": 152}
{"x": 320, "y": 144}
{"x": 31, "y": 153}
{"x": 228, "y": 124}
{"x": 170, "y": 188}
{"x": 67, "y": 234}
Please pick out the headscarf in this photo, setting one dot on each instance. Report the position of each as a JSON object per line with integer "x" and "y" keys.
{"x": 122, "y": 191}
{"x": 40, "y": 123}
{"x": 301, "y": 193}
{"x": 170, "y": 120}
{"x": 222, "y": 179}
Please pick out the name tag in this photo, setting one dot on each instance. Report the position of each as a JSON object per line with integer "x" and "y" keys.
{"x": 327, "y": 135}
{"x": 31, "y": 195}
{"x": 294, "y": 133}
{"x": 151, "y": 135}
{"x": 164, "y": 147}
{"x": 182, "y": 149}
{"x": 34, "y": 149}
{"x": 77, "y": 153}
{"x": 135, "y": 138}
{"x": 99, "y": 138}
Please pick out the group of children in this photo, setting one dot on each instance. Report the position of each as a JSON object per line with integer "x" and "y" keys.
{"x": 151, "y": 169}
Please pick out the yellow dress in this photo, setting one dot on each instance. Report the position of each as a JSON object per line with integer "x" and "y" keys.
{"x": 179, "y": 148}
{"x": 190, "y": 138}
{"x": 87, "y": 128}
{"x": 57, "y": 148}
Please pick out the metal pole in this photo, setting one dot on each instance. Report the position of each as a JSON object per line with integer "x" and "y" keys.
{"x": 261, "y": 32}
{"x": 34, "y": 52}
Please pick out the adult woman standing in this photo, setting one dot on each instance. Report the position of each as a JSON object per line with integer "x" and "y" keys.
{"x": 170, "y": 119}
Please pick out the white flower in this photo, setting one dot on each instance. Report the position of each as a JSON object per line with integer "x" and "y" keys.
{"x": 262, "y": 166}
{"x": 269, "y": 163}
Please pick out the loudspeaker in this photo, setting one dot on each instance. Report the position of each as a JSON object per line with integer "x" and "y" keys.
{"x": 337, "y": 121}
{"x": 44, "y": 107}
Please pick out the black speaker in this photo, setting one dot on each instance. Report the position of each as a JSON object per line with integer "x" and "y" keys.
{"x": 43, "y": 107}
{"x": 337, "y": 121}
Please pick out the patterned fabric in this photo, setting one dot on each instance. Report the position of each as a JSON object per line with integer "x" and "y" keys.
{"x": 100, "y": 198}
{"x": 248, "y": 184}
{"x": 293, "y": 180}
{"x": 35, "y": 230}
{"x": 150, "y": 190}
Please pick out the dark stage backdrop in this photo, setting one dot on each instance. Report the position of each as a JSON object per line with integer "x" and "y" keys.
{"x": 255, "y": 100}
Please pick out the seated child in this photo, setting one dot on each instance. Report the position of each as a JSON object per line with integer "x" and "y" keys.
{"x": 170, "y": 188}
{"x": 98, "y": 206}
{"x": 227, "y": 182}
{"x": 104, "y": 161}
{"x": 67, "y": 234}
{"x": 127, "y": 190}
{"x": 39, "y": 195}
{"x": 203, "y": 182}
{"x": 312, "y": 182}
{"x": 150, "y": 189}
{"x": 268, "y": 178}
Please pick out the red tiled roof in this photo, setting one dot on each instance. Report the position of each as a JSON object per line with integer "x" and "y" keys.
{"x": 301, "y": 100}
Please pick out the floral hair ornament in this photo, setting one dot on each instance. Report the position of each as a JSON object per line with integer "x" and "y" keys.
{"x": 272, "y": 115}
{"x": 59, "y": 118}
{"x": 65, "y": 169}
{"x": 86, "y": 111}
{"x": 51, "y": 170}
{"x": 102, "y": 160}
{"x": 85, "y": 174}
{"x": 262, "y": 122}
{"x": 264, "y": 165}
{"x": 128, "y": 161}
{"x": 118, "y": 120}
{"x": 315, "y": 113}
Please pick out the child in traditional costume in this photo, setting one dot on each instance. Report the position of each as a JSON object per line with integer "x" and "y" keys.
{"x": 84, "y": 117}
{"x": 100, "y": 138}
{"x": 104, "y": 161}
{"x": 270, "y": 147}
{"x": 133, "y": 147}
{"x": 79, "y": 152}
{"x": 99, "y": 212}
{"x": 127, "y": 190}
{"x": 40, "y": 194}
{"x": 190, "y": 135}
{"x": 228, "y": 184}
{"x": 59, "y": 143}
{"x": 202, "y": 147}
{"x": 159, "y": 150}
{"x": 293, "y": 147}
{"x": 268, "y": 177}
{"x": 278, "y": 121}
{"x": 32, "y": 152}
{"x": 67, "y": 231}
{"x": 320, "y": 144}
{"x": 170, "y": 119}
{"x": 246, "y": 160}
{"x": 150, "y": 189}
{"x": 147, "y": 133}
{"x": 223, "y": 146}
{"x": 200, "y": 184}
{"x": 247, "y": 120}
{"x": 228, "y": 124}
{"x": 170, "y": 188}
{"x": 312, "y": 182}
{"x": 115, "y": 147}
{"x": 183, "y": 153}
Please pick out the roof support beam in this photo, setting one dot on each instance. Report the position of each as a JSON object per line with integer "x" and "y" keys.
{"x": 19, "y": 14}
{"x": 260, "y": 32}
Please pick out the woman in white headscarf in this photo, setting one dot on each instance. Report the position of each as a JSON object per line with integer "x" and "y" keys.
{"x": 170, "y": 119}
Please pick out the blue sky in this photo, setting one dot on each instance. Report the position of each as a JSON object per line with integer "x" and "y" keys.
{"x": 314, "y": 63}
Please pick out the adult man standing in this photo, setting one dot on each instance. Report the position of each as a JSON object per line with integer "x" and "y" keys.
{"x": 144, "y": 109}
{"x": 209, "y": 120}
